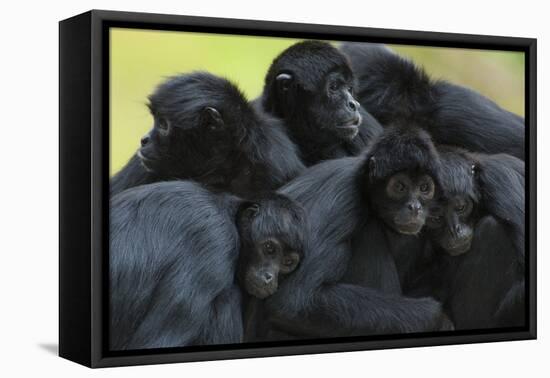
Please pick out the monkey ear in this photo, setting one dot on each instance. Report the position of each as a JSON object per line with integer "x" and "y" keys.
{"x": 212, "y": 118}
{"x": 251, "y": 209}
{"x": 284, "y": 80}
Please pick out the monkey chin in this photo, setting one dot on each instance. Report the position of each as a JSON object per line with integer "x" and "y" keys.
{"x": 349, "y": 129}
{"x": 347, "y": 132}
{"x": 411, "y": 229}
{"x": 459, "y": 249}
{"x": 144, "y": 161}
{"x": 260, "y": 291}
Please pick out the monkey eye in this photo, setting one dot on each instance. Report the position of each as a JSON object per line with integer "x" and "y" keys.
{"x": 288, "y": 261}
{"x": 424, "y": 188}
{"x": 350, "y": 90}
{"x": 399, "y": 186}
{"x": 269, "y": 247}
{"x": 460, "y": 208}
{"x": 436, "y": 219}
{"x": 333, "y": 86}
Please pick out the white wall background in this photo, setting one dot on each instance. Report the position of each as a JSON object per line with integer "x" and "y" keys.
{"x": 29, "y": 189}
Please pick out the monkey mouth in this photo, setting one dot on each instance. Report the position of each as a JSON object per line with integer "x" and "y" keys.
{"x": 351, "y": 124}
{"x": 260, "y": 291}
{"x": 458, "y": 249}
{"x": 409, "y": 228}
{"x": 146, "y": 163}
{"x": 350, "y": 128}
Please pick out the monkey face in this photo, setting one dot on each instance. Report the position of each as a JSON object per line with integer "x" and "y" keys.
{"x": 451, "y": 224}
{"x": 186, "y": 148}
{"x": 329, "y": 104}
{"x": 337, "y": 109}
{"x": 272, "y": 232}
{"x": 268, "y": 259}
{"x": 197, "y": 125}
{"x": 402, "y": 199}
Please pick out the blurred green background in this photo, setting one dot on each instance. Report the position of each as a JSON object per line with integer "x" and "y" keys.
{"x": 141, "y": 59}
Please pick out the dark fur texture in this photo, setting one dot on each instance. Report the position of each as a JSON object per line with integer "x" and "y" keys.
{"x": 495, "y": 183}
{"x": 382, "y": 257}
{"x": 501, "y": 181}
{"x": 483, "y": 287}
{"x": 175, "y": 250}
{"x": 394, "y": 90}
{"x": 245, "y": 152}
{"x": 499, "y": 248}
{"x": 310, "y": 112}
{"x": 316, "y": 301}
{"x": 172, "y": 283}
{"x": 405, "y": 148}
{"x": 488, "y": 288}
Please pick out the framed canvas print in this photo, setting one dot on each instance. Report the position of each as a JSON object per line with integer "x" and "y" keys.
{"x": 233, "y": 188}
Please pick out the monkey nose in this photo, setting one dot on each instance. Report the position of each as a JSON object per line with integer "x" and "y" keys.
{"x": 458, "y": 231}
{"x": 414, "y": 208}
{"x": 268, "y": 277}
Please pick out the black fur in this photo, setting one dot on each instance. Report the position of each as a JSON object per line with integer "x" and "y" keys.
{"x": 400, "y": 149}
{"x": 316, "y": 301}
{"x": 496, "y": 183}
{"x": 234, "y": 148}
{"x": 382, "y": 257}
{"x": 488, "y": 288}
{"x": 175, "y": 250}
{"x": 483, "y": 287}
{"x": 394, "y": 90}
{"x": 501, "y": 181}
{"x": 172, "y": 283}
{"x": 310, "y": 111}
{"x": 498, "y": 250}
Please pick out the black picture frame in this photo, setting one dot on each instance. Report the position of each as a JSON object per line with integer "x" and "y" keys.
{"x": 84, "y": 185}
